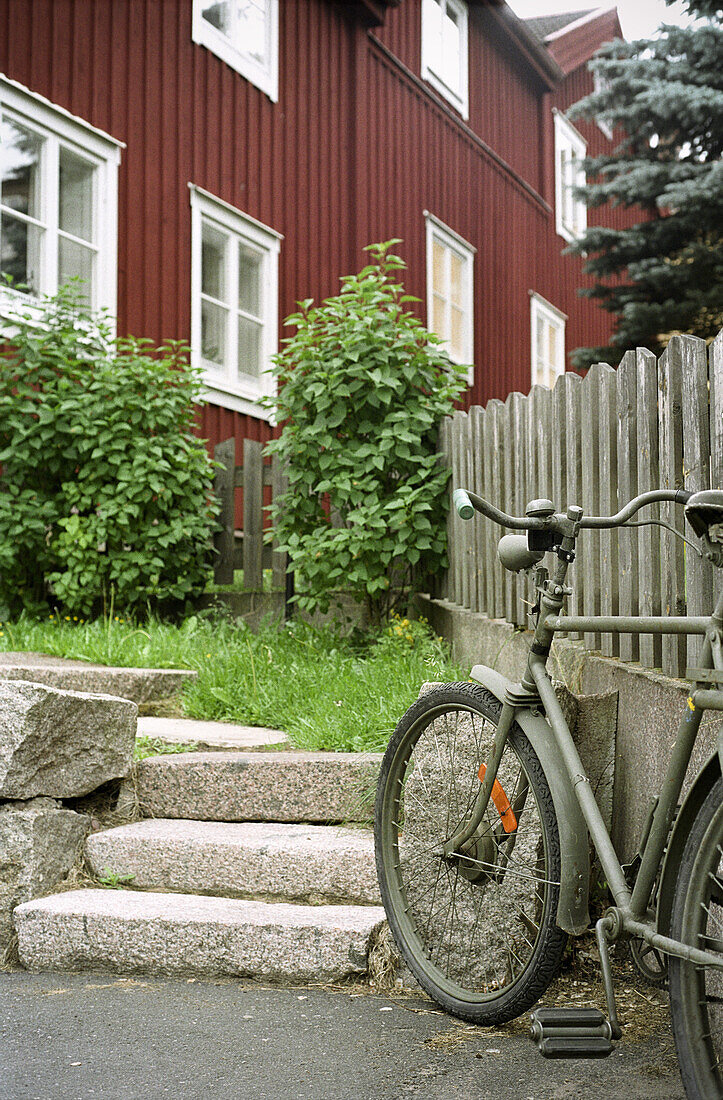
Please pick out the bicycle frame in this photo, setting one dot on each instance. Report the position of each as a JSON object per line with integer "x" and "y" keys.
{"x": 630, "y": 914}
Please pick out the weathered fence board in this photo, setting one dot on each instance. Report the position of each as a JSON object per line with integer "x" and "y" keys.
{"x": 715, "y": 377}
{"x": 598, "y": 441}
{"x": 608, "y": 503}
{"x": 590, "y": 409}
{"x": 253, "y": 518}
{"x": 520, "y": 496}
{"x": 224, "y": 542}
{"x": 696, "y": 465}
{"x": 512, "y": 461}
{"x": 253, "y": 555}
{"x": 476, "y": 415}
{"x": 627, "y": 446}
{"x": 672, "y": 559}
{"x": 572, "y": 459}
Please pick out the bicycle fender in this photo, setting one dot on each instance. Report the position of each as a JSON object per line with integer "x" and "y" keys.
{"x": 705, "y": 780}
{"x": 572, "y": 909}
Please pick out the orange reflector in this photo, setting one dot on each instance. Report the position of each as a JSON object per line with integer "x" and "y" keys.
{"x": 502, "y": 802}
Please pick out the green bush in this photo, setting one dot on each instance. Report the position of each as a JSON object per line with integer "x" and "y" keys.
{"x": 105, "y": 493}
{"x": 362, "y": 389}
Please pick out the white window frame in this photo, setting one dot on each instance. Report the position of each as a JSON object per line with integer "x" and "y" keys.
{"x": 453, "y": 242}
{"x": 570, "y": 213}
{"x": 57, "y": 128}
{"x": 223, "y": 385}
{"x": 458, "y": 98}
{"x": 542, "y": 310}
{"x": 264, "y": 77}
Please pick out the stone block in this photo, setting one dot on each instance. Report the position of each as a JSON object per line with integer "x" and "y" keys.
{"x": 141, "y": 685}
{"x": 129, "y": 932}
{"x": 61, "y": 744}
{"x": 258, "y": 786}
{"x": 314, "y": 864}
{"x": 39, "y": 842}
{"x": 209, "y": 736}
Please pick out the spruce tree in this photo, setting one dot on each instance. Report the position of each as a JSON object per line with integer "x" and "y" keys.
{"x": 664, "y": 97}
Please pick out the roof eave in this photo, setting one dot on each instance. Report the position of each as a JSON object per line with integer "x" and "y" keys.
{"x": 535, "y": 53}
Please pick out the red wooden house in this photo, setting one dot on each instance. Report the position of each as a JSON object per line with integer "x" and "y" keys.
{"x": 204, "y": 164}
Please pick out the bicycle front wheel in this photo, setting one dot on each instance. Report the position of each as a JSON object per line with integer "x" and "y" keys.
{"x": 696, "y": 993}
{"x": 477, "y": 928}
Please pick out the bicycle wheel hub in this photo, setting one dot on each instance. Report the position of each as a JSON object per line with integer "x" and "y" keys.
{"x": 476, "y": 862}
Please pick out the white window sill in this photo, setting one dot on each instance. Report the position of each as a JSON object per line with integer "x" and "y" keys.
{"x": 229, "y": 399}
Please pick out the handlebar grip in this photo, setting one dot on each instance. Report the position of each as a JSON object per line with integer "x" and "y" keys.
{"x": 463, "y": 504}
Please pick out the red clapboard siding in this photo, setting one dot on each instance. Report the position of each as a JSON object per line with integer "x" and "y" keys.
{"x": 353, "y": 152}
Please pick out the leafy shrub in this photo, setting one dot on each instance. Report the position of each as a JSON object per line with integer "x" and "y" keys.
{"x": 105, "y": 492}
{"x": 362, "y": 389}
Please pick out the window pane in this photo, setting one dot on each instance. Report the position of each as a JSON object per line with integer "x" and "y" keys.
{"x": 439, "y": 316}
{"x": 552, "y": 356}
{"x": 249, "y": 348}
{"x": 213, "y": 263}
{"x": 249, "y": 280}
{"x": 251, "y": 18}
{"x": 243, "y": 22}
{"x": 218, "y": 14}
{"x": 20, "y": 168}
{"x": 76, "y": 196}
{"x": 213, "y": 332}
{"x": 20, "y": 251}
{"x": 451, "y": 50}
{"x": 539, "y": 339}
{"x": 456, "y": 339}
{"x": 435, "y": 17}
{"x": 456, "y": 289}
{"x": 438, "y": 267}
{"x": 75, "y": 262}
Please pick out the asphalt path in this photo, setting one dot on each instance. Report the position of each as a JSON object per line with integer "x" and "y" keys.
{"x": 83, "y": 1037}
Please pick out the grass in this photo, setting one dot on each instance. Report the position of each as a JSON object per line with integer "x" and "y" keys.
{"x": 238, "y": 584}
{"x": 154, "y": 746}
{"x": 326, "y": 691}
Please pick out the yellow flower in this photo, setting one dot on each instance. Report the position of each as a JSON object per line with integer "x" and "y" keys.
{"x": 67, "y": 618}
{"x": 75, "y": 618}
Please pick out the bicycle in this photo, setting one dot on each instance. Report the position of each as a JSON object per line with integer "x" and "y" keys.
{"x": 483, "y": 817}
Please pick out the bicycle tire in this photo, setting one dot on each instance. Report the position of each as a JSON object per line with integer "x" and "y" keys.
{"x": 696, "y": 993}
{"x": 478, "y": 931}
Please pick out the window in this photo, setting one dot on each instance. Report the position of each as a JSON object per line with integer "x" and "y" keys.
{"x": 234, "y": 302}
{"x": 570, "y": 149}
{"x": 450, "y": 301}
{"x": 58, "y": 200}
{"x": 444, "y": 50}
{"x": 547, "y": 326}
{"x": 244, "y": 34}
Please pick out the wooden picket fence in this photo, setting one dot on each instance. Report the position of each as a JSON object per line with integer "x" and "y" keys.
{"x": 597, "y": 441}
{"x": 245, "y": 548}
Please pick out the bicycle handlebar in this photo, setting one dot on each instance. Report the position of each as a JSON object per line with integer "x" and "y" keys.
{"x": 467, "y": 503}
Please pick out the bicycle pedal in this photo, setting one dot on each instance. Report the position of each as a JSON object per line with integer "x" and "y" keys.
{"x": 571, "y": 1033}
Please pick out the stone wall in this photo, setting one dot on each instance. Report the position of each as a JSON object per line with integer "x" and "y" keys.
{"x": 54, "y": 746}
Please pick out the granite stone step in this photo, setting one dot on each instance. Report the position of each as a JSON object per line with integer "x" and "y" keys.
{"x": 209, "y": 736}
{"x": 324, "y": 787}
{"x": 130, "y": 932}
{"x": 141, "y": 685}
{"x": 315, "y": 864}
